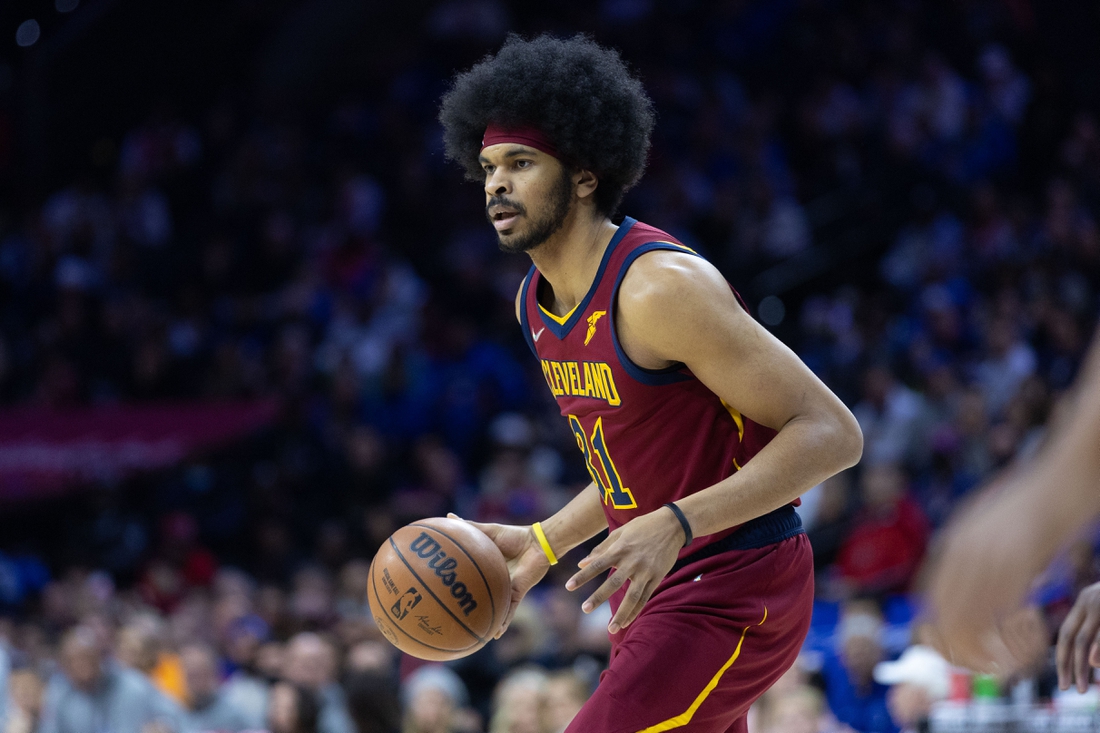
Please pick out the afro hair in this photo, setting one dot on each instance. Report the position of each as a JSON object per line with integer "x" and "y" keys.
{"x": 578, "y": 94}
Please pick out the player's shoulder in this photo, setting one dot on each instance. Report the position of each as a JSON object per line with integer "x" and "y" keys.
{"x": 664, "y": 278}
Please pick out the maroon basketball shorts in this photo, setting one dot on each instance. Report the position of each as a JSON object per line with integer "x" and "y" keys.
{"x": 715, "y": 635}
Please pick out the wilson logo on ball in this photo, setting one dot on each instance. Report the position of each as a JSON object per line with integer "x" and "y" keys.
{"x": 428, "y": 549}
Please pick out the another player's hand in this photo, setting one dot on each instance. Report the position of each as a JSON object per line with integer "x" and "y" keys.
{"x": 978, "y": 580}
{"x": 527, "y": 563}
{"x": 1079, "y": 640}
{"x": 641, "y": 551}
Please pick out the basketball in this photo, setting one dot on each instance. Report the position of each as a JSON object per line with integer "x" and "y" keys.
{"x": 439, "y": 589}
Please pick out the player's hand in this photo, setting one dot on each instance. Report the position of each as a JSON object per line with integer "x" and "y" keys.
{"x": 1079, "y": 640}
{"x": 978, "y": 578}
{"x": 527, "y": 563}
{"x": 642, "y": 551}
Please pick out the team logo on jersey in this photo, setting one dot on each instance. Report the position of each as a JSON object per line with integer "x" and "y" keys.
{"x": 597, "y": 315}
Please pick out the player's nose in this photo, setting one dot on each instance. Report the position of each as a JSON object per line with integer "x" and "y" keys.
{"x": 496, "y": 184}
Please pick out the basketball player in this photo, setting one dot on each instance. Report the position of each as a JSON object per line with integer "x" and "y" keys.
{"x": 995, "y": 549}
{"x": 699, "y": 429}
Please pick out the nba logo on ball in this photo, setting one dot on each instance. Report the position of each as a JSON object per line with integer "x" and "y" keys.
{"x": 405, "y": 604}
{"x": 454, "y": 577}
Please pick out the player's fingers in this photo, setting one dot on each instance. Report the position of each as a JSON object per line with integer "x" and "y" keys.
{"x": 1063, "y": 652}
{"x": 525, "y": 575}
{"x": 517, "y": 596}
{"x": 605, "y": 591}
{"x": 976, "y": 646}
{"x": 596, "y": 565}
{"x": 598, "y": 550}
{"x": 492, "y": 530}
{"x": 1081, "y": 643}
{"x": 1094, "y": 654}
{"x": 997, "y": 657}
{"x": 636, "y": 596}
{"x": 952, "y": 627}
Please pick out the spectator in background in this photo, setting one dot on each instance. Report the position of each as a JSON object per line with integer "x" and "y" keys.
{"x": 793, "y": 705}
{"x": 803, "y": 710}
{"x": 516, "y": 701}
{"x": 207, "y": 708}
{"x": 888, "y": 537}
{"x": 1009, "y": 360}
{"x": 917, "y": 679}
{"x": 293, "y": 709}
{"x": 854, "y": 696}
{"x": 889, "y": 416}
{"x": 373, "y": 703}
{"x": 24, "y": 702}
{"x": 246, "y": 688}
{"x": 94, "y": 695}
{"x": 139, "y": 647}
{"x": 311, "y": 664}
{"x": 562, "y": 697}
{"x": 434, "y": 699}
{"x": 829, "y": 521}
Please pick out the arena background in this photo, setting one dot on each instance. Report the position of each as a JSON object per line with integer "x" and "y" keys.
{"x": 251, "y": 321}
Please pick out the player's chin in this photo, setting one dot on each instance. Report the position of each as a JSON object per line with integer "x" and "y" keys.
{"x": 507, "y": 241}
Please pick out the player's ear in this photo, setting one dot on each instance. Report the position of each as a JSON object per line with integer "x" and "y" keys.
{"x": 585, "y": 183}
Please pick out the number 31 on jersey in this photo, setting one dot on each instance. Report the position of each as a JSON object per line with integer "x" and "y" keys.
{"x": 605, "y": 475}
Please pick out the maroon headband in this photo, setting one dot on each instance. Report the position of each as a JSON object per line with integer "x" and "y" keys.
{"x": 529, "y": 136}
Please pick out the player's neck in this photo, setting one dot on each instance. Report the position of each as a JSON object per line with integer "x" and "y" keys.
{"x": 570, "y": 258}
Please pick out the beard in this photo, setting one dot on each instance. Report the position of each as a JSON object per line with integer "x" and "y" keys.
{"x": 557, "y": 210}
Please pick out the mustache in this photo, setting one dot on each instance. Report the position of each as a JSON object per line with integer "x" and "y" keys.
{"x": 504, "y": 201}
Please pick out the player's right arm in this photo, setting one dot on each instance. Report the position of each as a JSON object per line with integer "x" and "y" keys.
{"x": 579, "y": 520}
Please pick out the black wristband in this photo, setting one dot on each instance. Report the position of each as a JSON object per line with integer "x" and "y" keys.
{"x": 683, "y": 522}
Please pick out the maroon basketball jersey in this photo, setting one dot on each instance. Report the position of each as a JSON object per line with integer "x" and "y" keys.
{"x": 648, "y": 436}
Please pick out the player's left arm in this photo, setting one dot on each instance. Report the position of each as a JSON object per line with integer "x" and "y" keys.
{"x": 675, "y": 307}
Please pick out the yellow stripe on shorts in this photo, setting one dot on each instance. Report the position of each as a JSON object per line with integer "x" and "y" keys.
{"x": 685, "y": 717}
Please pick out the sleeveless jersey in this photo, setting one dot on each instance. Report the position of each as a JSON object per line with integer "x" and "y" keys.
{"x": 648, "y": 436}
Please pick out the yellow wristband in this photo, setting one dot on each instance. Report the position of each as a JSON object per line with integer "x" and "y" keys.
{"x": 541, "y": 537}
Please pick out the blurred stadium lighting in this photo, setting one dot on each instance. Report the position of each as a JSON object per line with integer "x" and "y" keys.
{"x": 66, "y": 6}
{"x": 28, "y": 33}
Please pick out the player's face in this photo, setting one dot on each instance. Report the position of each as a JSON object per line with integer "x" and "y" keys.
{"x": 528, "y": 195}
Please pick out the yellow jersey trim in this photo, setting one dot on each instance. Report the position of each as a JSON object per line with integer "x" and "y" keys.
{"x": 685, "y": 717}
{"x": 560, "y": 320}
{"x": 736, "y": 418}
{"x": 677, "y": 244}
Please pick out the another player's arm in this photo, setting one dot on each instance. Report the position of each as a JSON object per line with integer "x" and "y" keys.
{"x": 994, "y": 548}
{"x": 675, "y": 307}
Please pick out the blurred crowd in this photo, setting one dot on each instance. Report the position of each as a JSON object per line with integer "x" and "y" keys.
{"x": 942, "y": 187}
{"x": 242, "y": 656}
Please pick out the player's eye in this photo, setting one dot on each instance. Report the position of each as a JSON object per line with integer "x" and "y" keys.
{"x": 523, "y": 163}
